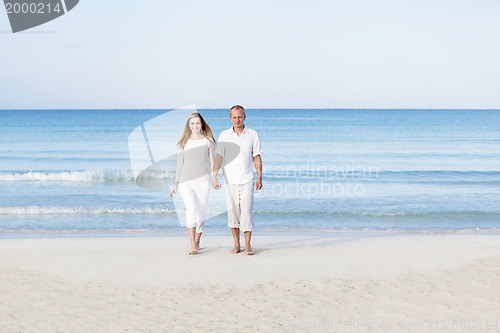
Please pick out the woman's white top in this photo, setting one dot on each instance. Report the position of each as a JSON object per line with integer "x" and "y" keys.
{"x": 193, "y": 162}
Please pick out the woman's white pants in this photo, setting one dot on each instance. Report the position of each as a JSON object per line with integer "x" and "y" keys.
{"x": 194, "y": 194}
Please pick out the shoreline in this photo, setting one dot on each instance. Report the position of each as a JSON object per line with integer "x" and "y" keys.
{"x": 134, "y": 233}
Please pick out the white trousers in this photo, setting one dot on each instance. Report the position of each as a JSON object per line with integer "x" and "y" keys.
{"x": 194, "y": 194}
{"x": 239, "y": 200}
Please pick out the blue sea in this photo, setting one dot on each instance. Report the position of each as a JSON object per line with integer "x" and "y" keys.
{"x": 68, "y": 172}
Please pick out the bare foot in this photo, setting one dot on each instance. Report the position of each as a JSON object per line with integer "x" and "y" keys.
{"x": 235, "y": 250}
{"x": 249, "y": 251}
{"x": 193, "y": 252}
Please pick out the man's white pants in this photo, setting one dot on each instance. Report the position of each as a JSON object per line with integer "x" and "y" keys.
{"x": 239, "y": 200}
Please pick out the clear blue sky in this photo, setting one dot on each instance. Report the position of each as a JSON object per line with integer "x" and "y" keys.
{"x": 259, "y": 53}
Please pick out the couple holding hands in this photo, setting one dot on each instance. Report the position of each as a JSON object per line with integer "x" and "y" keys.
{"x": 199, "y": 156}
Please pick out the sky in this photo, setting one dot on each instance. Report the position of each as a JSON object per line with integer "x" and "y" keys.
{"x": 440, "y": 54}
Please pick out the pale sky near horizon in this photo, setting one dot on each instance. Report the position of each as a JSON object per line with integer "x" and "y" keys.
{"x": 260, "y": 53}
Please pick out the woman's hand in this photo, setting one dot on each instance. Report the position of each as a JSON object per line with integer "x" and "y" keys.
{"x": 174, "y": 191}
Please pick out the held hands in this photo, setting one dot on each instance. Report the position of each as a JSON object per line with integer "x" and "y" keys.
{"x": 215, "y": 184}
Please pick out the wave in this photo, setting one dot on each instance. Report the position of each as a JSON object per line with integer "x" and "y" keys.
{"x": 373, "y": 174}
{"x": 273, "y": 174}
{"x": 55, "y": 210}
{"x": 302, "y": 214}
{"x": 413, "y": 215}
{"x": 424, "y": 231}
{"x": 77, "y": 176}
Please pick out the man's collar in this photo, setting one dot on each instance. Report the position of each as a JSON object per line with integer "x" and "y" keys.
{"x": 244, "y": 129}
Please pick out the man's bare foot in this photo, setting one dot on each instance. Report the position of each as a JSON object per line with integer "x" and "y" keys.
{"x": 235, "y": 250}
{"x": 249, "y": 251}
{"x": 193, "y": 252}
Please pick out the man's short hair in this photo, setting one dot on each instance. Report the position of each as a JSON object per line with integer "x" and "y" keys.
{"x": 237, "y": 107}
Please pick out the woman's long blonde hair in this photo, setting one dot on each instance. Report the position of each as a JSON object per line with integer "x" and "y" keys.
{"x": 205, "y": 129}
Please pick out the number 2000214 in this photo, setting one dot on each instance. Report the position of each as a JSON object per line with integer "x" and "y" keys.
{"x": 32, "y": 8}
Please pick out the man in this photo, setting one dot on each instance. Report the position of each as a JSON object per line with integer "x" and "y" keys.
{"x": 238, "y": 175}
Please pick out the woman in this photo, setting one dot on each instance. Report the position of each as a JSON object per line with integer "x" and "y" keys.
{"x": 194, "y": 163}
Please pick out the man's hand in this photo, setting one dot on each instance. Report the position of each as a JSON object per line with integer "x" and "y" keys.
{"x": 258, "y": 184}
{"x": 257, "y": 161}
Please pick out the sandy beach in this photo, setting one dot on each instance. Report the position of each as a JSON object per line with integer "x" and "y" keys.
{"x": 293, "y": 283}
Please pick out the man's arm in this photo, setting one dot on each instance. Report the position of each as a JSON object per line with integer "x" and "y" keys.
{"x": 257, "y": 161}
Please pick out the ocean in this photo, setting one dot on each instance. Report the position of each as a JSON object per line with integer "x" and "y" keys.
{"x": 68, "y": 172}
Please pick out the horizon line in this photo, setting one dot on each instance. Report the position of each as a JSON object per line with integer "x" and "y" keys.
{"x": 225, "y": 108}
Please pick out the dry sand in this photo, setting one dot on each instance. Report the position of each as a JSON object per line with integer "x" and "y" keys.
{"x": 325, "y": 283}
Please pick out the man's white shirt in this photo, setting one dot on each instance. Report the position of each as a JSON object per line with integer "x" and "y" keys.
{"x": 240, "y": 169}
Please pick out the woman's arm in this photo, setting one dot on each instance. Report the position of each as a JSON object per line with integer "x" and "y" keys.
{"x": 211, "y": 155}
{"x": 178, "y": 171}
